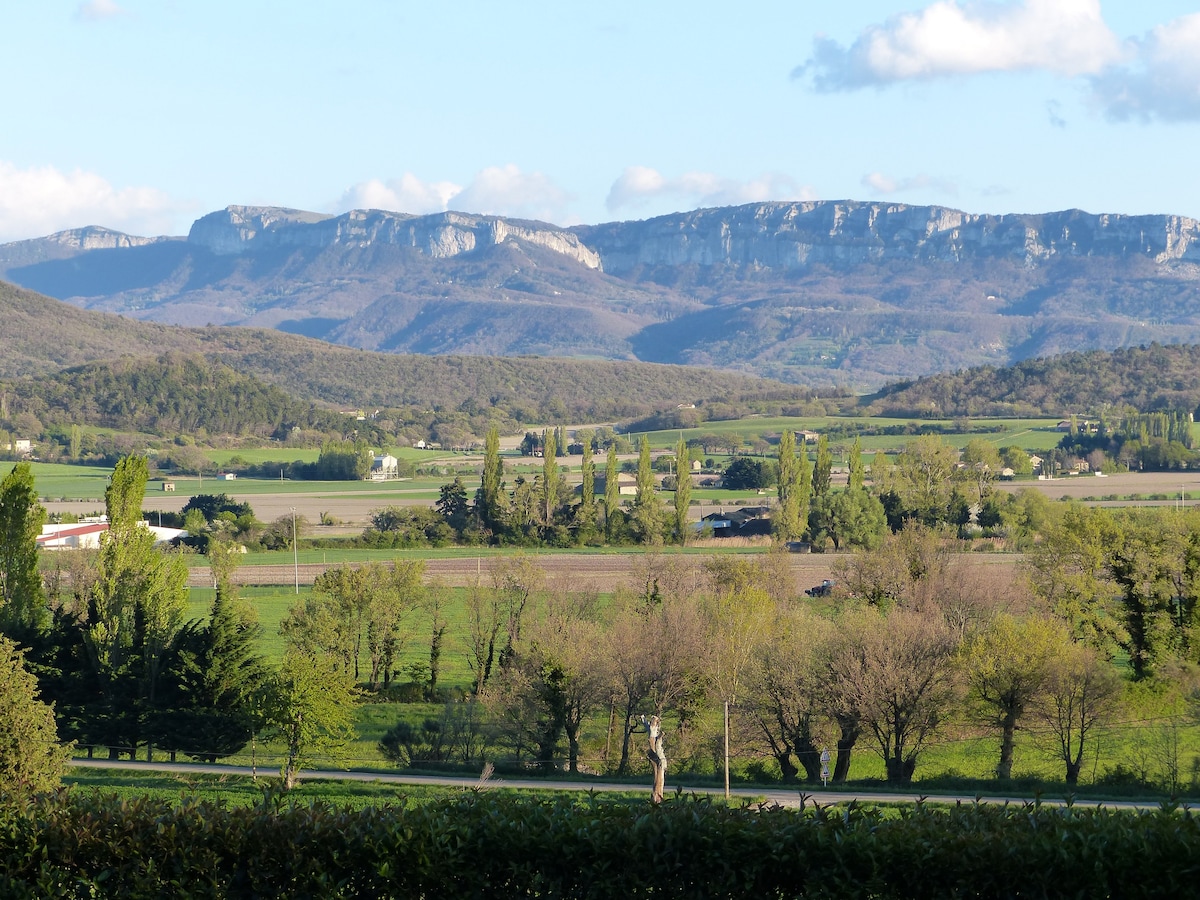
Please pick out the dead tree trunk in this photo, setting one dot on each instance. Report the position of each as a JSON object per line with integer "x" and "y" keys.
{"x": 657, "y": 757}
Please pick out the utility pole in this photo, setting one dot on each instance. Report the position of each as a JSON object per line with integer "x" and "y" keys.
{"x": 295, "y": 551}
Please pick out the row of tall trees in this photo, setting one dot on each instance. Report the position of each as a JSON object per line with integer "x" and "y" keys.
{"x": 547, "y": 510}
{"x": 106, "y": 637}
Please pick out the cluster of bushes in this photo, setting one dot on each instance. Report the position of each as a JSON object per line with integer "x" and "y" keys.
{"x": 488, "y": 845}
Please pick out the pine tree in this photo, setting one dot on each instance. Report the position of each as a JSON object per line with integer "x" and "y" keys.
{"x": 221, "y": 679}
{"x": 31, "y": 759}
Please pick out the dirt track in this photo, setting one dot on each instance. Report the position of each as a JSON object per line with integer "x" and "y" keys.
{"x": 572, "y": 571}
{"x": 576, "y": 571}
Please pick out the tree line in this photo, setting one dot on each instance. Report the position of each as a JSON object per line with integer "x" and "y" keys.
{"x": 1091, "y": 381}
{"x": 915, "y": 644}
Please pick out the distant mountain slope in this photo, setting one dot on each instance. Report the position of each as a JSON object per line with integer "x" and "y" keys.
{"x": 43, "y": 336}
{"x": 844, "y": 292}
{"x": 1149, "y": 379}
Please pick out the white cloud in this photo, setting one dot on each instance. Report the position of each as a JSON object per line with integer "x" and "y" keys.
{"x": 96, "y": 10}
{"x": 507, "y": 191}
{"x": 884, "y": 184}
{"x": 39, "y": 201}
{"x": 497, "y": 190}
{"x": 951, "y": 38}
{"x": 1161, "y": 82}
{"x": 404, "y": 194}
{"x": 639, "y": 185}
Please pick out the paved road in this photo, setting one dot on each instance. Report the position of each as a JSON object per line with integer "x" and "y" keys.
{"x": 789, "y": 798}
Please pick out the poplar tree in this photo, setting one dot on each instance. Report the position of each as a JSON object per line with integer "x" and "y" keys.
{"x": 612, "y": 493}
{"x": 587, "y": 503}
{"x": 804, "y": 487}
{"x": 857, "y": 468}
{"x": 823, "y": 468}
{"x": 491, "y": 491}
{"x": 683, "y": 490}
{"x": 550, "y": 478}
{"x": 646, "y": 507}
{"x": 787, "y": 523}
{"x": 22, "y": 598}
{"x": 135, "y": 611}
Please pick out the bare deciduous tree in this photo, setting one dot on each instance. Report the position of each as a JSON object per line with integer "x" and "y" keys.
{"x": 1082, "y": 694}
{"x": 896, "y": 670}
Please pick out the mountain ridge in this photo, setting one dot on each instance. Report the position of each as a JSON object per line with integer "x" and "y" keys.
{"x": 848, "y": 293}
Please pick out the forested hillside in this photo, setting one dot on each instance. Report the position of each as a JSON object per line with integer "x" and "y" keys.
{"x": 168, "y": 395}
{"x": 131, "y": 375}
{"x": 1148, "y": 379}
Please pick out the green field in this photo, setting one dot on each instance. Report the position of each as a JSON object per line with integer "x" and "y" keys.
{"x": 57, "y": 481}
{"x": 271, "y": 605}
{"x": 283, "y": 454}
{"x": 1029, "y": 434}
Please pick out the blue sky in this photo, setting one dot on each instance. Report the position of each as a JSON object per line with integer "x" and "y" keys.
{"x": 144, "y": 114}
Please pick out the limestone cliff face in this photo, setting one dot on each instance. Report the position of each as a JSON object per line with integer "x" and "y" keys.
{"x": 232, "y": 229}
{"x": 839, "y": 234}
{"x": 236, "y": 229}
{"x": 96, "y": 238}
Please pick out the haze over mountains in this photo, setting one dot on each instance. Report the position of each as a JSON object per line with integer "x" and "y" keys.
{"x": 848, "y": 293}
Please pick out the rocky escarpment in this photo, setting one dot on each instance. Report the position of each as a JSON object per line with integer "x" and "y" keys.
{"x": 65, "y": 244}
{"x": 236, "y": 229}
{"x": 791, "y": 236}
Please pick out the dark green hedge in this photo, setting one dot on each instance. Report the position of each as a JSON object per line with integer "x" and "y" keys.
{"x": 487, "y": 845}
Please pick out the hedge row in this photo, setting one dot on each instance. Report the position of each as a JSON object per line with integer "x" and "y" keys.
{"x": 487, "y": 845}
